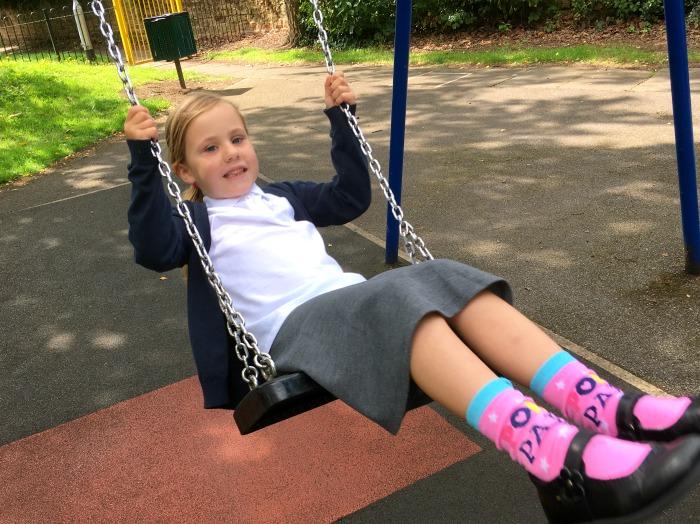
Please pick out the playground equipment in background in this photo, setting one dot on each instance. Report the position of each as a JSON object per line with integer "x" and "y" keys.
{"x": 130, "y": 20}
{"x": 170, "y": 38}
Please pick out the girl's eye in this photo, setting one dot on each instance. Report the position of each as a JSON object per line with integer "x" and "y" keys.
{"x": 209, "y": 149}
{"x": 237, "y": 139}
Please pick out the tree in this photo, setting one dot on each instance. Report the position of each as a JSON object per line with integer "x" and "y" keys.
{"x": 293, "y": 21}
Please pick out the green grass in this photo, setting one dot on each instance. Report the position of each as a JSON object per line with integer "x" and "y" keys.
{"x": 46, "y": 55}
{"x": 590, "y": 54}
{"x": 49, "y": 110}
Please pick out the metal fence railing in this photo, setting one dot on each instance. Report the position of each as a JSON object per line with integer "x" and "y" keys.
{"x": 60, "y": 33}
{"x": 217, "y": 23}
{"x": 56, "y": 34}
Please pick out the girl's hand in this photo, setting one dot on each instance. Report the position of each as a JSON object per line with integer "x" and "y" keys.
{"x": 139, "y": 124}
{"x": 338, "y": 90}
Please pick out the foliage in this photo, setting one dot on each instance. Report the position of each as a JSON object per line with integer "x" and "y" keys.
{"x": 366, "y": 22}
{"x": 598, "y": 12}
{"x": 362, "y": 22}
{"x": 350, "y": 22}
{"x": 694, "y": 16}
{"x": 433, "y": 15}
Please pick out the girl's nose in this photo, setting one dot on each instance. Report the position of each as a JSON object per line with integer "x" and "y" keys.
{"x": 231, "y": 153}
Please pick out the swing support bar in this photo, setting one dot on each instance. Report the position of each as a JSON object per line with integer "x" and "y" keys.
{"x": 682, "y": 119}
{"x": 402, "y": 44}
{"x": 683, "y": 126}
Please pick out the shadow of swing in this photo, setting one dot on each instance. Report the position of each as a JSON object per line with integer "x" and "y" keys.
{"x": 225, "y": 92}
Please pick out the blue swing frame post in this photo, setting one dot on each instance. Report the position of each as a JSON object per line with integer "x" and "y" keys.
{"x": 682, "y": 118}
{"x": 402, "y": 43}
{"x": 683, "y": 126}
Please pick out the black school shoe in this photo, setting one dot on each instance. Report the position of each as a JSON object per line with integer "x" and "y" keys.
{"x": 668, "y": 472}
{"x": 629, "y": 428}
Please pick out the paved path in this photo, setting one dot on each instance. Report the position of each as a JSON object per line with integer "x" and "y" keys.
{"x": 561, "y": 179}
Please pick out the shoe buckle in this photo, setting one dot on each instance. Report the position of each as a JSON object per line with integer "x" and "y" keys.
{"x": 633, "y": 424}
{"x": 572, "y": 484}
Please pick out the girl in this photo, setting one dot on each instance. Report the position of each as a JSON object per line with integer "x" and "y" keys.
{"x": 449, "y": 330}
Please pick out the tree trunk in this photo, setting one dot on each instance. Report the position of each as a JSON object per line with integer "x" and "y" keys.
{"x": 292, "y": 8}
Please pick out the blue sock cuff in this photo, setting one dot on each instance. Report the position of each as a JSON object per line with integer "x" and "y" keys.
{"x": 483, "y": 398}
{"x": 547, "y": 370}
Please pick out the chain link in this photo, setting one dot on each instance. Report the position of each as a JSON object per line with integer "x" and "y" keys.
{"x": 411, "y": 240}
{"x": 245, "y": 343}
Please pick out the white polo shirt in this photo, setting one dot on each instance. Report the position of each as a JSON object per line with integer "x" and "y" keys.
{"x": 268, "y": 262}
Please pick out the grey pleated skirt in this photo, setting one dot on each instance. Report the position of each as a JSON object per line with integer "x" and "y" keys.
{"x": 356, "y": 341}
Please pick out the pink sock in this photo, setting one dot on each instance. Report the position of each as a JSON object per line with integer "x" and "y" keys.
{"x": 528, "y": 433}
{"x": 584, "y": 397}
{"x": 540, "y": 441}
{"x": 588, "y": 400}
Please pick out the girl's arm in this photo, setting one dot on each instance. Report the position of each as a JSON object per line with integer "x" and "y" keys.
{"x": 157, "y": 237}
{"x": 348, "y": 195}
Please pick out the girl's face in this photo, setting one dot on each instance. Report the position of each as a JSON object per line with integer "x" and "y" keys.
{"x": 219, "y": 156}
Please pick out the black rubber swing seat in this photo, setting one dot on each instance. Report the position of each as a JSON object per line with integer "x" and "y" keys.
{"x": 279, "y": 399}
{"x": 284, "y": 397}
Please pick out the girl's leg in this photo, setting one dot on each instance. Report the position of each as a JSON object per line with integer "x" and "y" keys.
{"x": 509, "y": 342}
{"x": 514, "y": 346}
{"x": 451, "y": 374}
{"x": 625, "y": 476}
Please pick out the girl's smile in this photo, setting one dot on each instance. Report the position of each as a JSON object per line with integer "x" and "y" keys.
{"x": 235, "y": 172}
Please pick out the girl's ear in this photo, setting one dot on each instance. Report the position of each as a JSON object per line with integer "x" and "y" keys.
{"x": 182, "y": 171}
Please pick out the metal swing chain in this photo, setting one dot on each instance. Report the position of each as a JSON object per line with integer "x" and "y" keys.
{"x": 245, "y": 342}
{"x": 410, "y": 239}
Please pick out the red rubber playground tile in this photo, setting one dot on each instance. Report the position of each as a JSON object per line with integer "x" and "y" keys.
{"x": 160, "y": 457}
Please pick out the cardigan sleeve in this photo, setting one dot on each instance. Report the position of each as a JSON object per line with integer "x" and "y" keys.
{"x": 157, "y": 234}
{"x": 348, "y": 194}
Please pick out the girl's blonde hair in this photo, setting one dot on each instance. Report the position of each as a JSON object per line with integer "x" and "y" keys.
{"x": 176, "y": 126}
{"x": 178, "y": 123}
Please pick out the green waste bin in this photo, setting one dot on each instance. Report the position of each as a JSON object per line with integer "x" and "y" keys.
{"x": 170, "y": 37}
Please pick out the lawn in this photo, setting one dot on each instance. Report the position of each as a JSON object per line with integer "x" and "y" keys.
{"x": 49, "y": 110}
{"x": 501, "y": 56}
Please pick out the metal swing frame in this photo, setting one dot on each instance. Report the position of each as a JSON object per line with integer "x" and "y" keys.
{"x": 277, "y": 397}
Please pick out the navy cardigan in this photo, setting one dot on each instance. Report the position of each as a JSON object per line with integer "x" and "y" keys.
{"x": 161, "y": 243}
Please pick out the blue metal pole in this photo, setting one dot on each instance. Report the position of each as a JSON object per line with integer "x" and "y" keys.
{"x": 683, "y": 125}
{"x": 402, "y": 42}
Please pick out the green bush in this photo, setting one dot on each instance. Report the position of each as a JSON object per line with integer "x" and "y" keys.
{"x": 353, "y": 23}
{"x": 365, "y": 22}
{"x": 350, "y": 22}
{"x": 445, "y": 15}
{"x": 602, "y": 11}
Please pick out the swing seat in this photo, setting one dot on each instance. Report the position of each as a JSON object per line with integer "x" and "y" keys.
{"x": 278, "y": 399}
{"x": 286, "y": 396}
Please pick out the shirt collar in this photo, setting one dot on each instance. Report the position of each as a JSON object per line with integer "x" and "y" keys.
{"x": 255, "y": 192}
